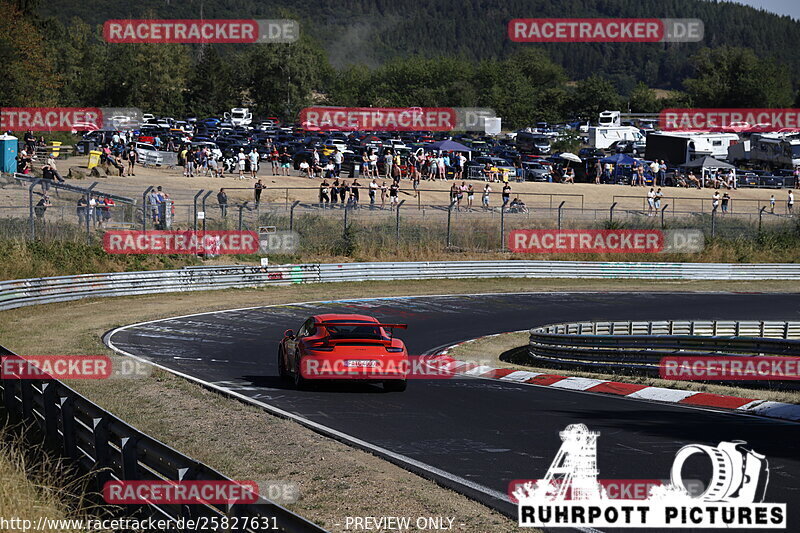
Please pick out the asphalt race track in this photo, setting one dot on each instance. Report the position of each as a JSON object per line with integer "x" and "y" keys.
{"x": 485, "y": 432}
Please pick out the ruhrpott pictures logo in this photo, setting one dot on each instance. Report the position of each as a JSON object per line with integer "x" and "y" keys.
{"x": 733, "y": 498}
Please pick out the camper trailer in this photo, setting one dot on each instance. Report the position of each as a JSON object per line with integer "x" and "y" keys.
{"x": 775, "y": 150}
{"x": 602, "y": 137}
{"x": 682, "y": 147}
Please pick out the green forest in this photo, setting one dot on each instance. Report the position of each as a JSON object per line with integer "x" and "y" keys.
{"x": 398, "y": 53}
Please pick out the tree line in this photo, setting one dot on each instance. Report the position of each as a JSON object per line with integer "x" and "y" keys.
{"x": 49, "y": 61}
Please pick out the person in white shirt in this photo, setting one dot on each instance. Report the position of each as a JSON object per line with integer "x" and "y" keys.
{"x": 651, "y": 202}
{"x": 373, "y": 190}
{"x": 790, "y": 203}
{"x": 241, "y": 161}
{"x": 485, "y": 197}
{"x": 253, "y": 156}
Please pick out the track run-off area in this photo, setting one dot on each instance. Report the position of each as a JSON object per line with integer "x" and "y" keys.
{"x": 476, "y": 435}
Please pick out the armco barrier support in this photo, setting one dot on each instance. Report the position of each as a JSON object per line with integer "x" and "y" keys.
{"x": 641, "y": 345}
{"x": 109, "y": 449}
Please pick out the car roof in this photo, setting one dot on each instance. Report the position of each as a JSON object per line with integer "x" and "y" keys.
{"x": 344, "y": 316}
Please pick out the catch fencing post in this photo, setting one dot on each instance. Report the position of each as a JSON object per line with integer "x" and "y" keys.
{"x": 662, "y": 215}
{"x": 611, "y": 213}
{"x": 397, "y": 221}
{"x": 30, "y": 208}
{"x": 144, "y": 207}
{"x": 291, "y": 214}
{"x": 196, "y": 196}
{"x": 559, "y": 214}
{"x": 713, "y": 222}
{"x": 205, "y": 214}
{"x": 449, "y": 216}
{"x": 93, "y": 214}
{"x": 344, "y": 228}
{"x": 760, "y": 216}
{"x": 240, "y": 206}
{"x": 502, "y": 229}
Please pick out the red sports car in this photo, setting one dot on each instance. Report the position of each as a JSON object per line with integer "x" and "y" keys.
{"x": 354, "y": 347}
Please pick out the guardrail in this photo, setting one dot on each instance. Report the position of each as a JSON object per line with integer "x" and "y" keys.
{"x": 101, "y": 444}
{"x": 22, "y": 292}
{"x": 640, "y": 345}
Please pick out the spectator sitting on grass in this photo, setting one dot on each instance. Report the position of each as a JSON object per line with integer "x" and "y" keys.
{"x": 518, "y": 206}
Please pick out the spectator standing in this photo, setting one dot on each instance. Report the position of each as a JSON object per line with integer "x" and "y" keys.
{"x": 81, "y": 210}
{"x": 506, "y": 193}
{"x": 598, "y": 171}
{"x": 286, "y": 161}
{"x": 41, "y": 206}
{"x": 133, "y": 156}
{"x": 470, "y": 196}
{"x": 241, "y": 162}
{"x": 335, "y": 191}
{"x": 274, "y": 159}
{"x": 30, "y": 143}
{"x": 772, "y": 204}
{"x": 343, "y": 190}
{"x": 659, "y": 196}
{"x": 485, "y": 196}
{"x": 388, "y": 163}
{"x": 373, "y": 189}
{"x": 257, "y": 190}
{"x": 651, "y": 202}
{"x": 324, "y": 189}
{"x": 790, "y": 203}
{"x": 338, "y": 159}
{"x": 725, "y": 198}
{"x": 222, "y": 200}
{"x": 454, "y": 191}
{"x": 190, "y": 163}
{"x": 354, "y": 192}
{"x": 715, "y": 201}
{"x": 394, "y": 190}
{"x": 384, "y": 190}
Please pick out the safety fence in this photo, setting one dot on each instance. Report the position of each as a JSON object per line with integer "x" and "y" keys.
{"x": 101, "y": 445}
{"x": 639, "y": 346}
{"x": 18, "y": 293}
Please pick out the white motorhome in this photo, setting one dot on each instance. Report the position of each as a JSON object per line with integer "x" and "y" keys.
{"x": 604, "y": 136}
{"x": 239, "y": 116}
{"x": 610, "y": 119}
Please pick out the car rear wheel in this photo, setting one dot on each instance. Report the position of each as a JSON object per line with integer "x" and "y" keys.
{"x": 394, "y": 385}
{"x": 299, "y": 381}
{"x": 281, "y": 368}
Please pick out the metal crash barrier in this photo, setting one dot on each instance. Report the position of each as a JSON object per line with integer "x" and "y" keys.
{"x": 640, "y": 345}
{"x": 102, "y": 445}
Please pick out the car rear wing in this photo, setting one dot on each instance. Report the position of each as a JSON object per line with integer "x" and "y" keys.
{"x": 391, "y": 327}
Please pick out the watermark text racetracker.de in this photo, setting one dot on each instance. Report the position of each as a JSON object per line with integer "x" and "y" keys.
{"x": 628, "y": 241}
{"x": 180, "y": 242}
{"x": 731, "y": 367}
{"x": 606, "y": 30}
{"x": 47, "y": 367}
{"x": 200, "y": 31}
{"x": 755, "y": 120}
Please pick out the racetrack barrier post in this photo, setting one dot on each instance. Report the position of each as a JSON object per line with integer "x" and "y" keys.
{"x": 31, "y": 224}
{"x": 559, "y": 214}
{"x": 397, "y": 222}
{"x": 611, "y": 213}
{"x": 502, "y": 228}
{"x": 760, "y": 217}
{"x": 291, "y": 214}
{"x": 663, "y": 225}
{"x": 90, "y": 213}
{"x": 449, "y": 218}
{"x": 194, "y": 212}
{"x": 240, "y": 206}
{"x": 205, "y": 213}
{"x": 144, "y": 206}
{"x": 713, "y": 222}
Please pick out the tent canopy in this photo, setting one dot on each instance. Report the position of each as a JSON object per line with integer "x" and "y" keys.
{"x": 619, "y": 159}
{"x": 447, "y": 146}
{"x": 708, "y": 162}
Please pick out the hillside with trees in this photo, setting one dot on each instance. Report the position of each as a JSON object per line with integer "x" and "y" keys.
{"x": 382, "y": 53}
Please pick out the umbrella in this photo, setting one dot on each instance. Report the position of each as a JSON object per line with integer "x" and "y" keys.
{"x": 570, "y": 157}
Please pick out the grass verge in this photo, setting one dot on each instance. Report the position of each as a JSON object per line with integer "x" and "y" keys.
{"x": 499, "y": 352}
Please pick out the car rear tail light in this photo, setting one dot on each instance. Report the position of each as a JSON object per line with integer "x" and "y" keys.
{"x": 320, "y": 347}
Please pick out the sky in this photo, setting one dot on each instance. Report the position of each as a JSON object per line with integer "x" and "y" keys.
{"x": 781, "y": 7}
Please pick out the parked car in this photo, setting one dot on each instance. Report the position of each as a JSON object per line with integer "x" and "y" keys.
{"x": 536, "y": 171}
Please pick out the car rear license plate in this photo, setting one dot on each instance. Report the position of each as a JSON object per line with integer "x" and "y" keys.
{"x": 358, "y": 363}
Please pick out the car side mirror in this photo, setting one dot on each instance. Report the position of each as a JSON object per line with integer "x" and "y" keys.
{"x": 289, "y": 333}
